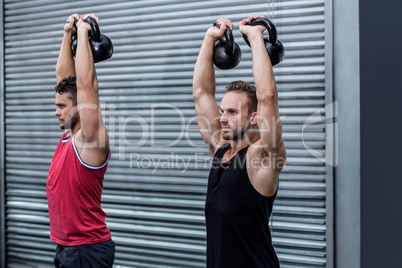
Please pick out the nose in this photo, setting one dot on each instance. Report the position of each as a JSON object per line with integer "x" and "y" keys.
{"x": 223, "y": 118}
{"x": 57, "y": 112}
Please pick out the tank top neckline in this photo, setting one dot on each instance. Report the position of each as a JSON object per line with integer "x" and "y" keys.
{"x": 225, "y": 148}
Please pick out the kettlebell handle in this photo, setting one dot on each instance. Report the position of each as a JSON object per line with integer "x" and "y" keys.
{"x": 273, "y": 35}
{"x": 75, "y": 23}
{"x": 230, "y": 48}
{"x": 94, "y": 28}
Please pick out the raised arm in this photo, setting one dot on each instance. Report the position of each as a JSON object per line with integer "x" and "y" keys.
{"x": 204, "y": 88}
{"x": 268, "y": 155}
{"x": 269, "y": 122}
{"x": 92, "y": 140}
{"x": 65, "y": 62}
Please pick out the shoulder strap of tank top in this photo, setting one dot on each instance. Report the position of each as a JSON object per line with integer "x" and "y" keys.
{"x": 222, "y": 150}
{"x": 243, "y": 151}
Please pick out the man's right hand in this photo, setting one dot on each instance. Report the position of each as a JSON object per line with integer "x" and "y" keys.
{"x": 251, "y": 31}
{"x": 84, "y": 25}
{"x": 216, "y": 32}
{"x": 69, "y": 27}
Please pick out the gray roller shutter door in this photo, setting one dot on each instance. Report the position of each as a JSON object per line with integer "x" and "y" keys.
{"x": 155, "y": 209}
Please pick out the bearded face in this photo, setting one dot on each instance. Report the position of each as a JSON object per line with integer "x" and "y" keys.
{"x": 235, "y": 118}
{"x": 73, "y": 117}
{"x": 66, "y": 113}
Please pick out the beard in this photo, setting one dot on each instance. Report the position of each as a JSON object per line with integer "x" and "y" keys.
{"x": 72, "y": 122}
{"x": 236, "y": 135}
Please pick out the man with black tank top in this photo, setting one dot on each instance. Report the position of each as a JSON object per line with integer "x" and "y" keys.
{"x": 249, "y": 153}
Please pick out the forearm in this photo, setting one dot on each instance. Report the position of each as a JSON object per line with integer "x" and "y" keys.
{"x": 268, "y": 117}
{"x": 84, "y": 64}
{"x": 262, "y": 68}
{"x": 204, "y": 74}
{"x": 87, "y": 93}
{"x": 65, "y": 62}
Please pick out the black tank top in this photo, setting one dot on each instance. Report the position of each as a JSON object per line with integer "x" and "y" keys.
{"x": 238, "y": 234}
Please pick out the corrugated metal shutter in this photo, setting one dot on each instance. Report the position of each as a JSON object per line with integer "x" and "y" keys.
{"x": 155, "y": 209}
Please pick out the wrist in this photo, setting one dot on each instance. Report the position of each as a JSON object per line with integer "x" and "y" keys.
{"x": 255, "y": 35}
{"x": 68, "y": 33}
{"x": 208, "y": 39}
{"x": 68, "y": 37}
{"x": 82, "y": 31}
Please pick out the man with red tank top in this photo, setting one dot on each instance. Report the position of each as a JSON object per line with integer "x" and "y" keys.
{"x": 75, "y": 180}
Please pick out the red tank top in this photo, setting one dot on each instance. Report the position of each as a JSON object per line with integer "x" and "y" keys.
{"x": 74, "y": 191}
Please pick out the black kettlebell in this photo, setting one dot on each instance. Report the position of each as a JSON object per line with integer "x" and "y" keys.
{"x": 101, "y": 45}
{"x": 275, "y": 49}
{"x": 227, "y": 53}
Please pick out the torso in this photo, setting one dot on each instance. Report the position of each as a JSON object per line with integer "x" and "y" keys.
{"x": 74, "y": 191}
{"x": 237, "y": 216}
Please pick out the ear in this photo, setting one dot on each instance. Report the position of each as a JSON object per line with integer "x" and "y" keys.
{"x": 253, "y": 118}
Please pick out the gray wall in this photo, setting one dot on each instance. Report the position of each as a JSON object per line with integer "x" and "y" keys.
{"x": 2, "y": 222}
{"x": 156, "y": 218}
{"x": 367, "y": 71}
{"x": 347, "y": 173}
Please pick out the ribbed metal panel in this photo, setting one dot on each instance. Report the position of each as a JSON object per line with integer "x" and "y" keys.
{"x": 155, "y": 209}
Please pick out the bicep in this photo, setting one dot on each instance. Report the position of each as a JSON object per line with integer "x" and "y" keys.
{"x": 269, "y": 124}
{"x": 92, "y": 125}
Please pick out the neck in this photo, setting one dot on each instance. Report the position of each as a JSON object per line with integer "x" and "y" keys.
{"x": 237, "y": 145}
{"x": 75, "y": 129}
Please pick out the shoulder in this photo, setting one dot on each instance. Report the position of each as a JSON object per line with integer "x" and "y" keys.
{"x": 91, "y": 153}
{"x": 263, "y": 168}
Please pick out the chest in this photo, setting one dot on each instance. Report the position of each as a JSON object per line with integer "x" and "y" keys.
{"x": 228, "y": 188}
{"x": 63, "y": 164}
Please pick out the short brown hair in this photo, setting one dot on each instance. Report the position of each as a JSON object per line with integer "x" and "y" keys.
{"x": 68, "y": 85}
{"x": 249, "y": 90}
